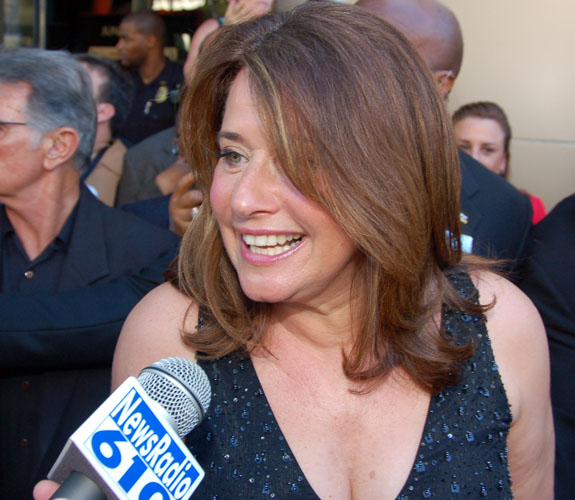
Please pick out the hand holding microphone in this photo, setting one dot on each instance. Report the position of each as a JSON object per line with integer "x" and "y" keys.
{"x": 131, "y": 447}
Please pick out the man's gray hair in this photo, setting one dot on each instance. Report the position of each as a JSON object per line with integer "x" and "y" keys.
{"x": 60, "y": 94}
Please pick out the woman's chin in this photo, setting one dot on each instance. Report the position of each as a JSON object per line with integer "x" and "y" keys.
{"x": 268, "y": 293}
{"x": 271, "y": 297}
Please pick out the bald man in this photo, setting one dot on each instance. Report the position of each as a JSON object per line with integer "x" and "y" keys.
{"x": 496, "y": 217}
{"x": 432, "y": 28}
{"x": 157, "y": 80}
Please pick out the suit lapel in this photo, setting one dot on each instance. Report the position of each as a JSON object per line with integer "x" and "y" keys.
{"x": 470, "y": 213}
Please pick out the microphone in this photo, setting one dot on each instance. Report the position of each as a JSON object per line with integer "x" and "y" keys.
{"x": 131, "y": 446}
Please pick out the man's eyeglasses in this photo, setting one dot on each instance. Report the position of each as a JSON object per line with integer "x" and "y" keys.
{"x": 13, "y": 123}
{"x": 4, "y": 130}
{"x": 4, "y": 127}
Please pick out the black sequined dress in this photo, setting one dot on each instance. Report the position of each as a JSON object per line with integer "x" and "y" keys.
{"x": 462, "y": 453}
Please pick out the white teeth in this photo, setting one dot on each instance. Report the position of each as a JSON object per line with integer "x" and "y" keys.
{"x": 271, "y": 244}
{"x": 261, "y": 240}
{"x": 273, "y": 250}
{"x": 272, "y": 241}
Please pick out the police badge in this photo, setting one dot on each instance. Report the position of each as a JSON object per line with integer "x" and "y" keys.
{"x": 162, "y": 93}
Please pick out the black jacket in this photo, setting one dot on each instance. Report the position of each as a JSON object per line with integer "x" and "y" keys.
{"x": 56, "y": 349}
{"x": 495, "y": 214}
{"x": 550, "y": 283}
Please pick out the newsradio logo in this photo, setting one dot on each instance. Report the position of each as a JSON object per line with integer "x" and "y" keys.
{"x": 142, "y": 456}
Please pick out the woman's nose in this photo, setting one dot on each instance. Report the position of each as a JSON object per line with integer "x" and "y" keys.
{"x": 256, "y": 190}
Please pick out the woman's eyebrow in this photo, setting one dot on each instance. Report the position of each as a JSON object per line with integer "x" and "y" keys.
{"x": 232, "y": 136}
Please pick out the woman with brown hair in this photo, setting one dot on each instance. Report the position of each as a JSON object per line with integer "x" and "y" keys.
{"x": 483, "y": 132}
{"x": 322, "y": 285}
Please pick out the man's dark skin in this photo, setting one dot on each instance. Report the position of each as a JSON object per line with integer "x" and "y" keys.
{"x": 141, "y": 44}
{"x": 434, "y": 30}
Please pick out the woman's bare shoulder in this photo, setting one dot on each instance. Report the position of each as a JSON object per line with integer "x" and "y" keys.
{"x": 153, "y": 330}
{"x": 515, "y": 327}
{"x": 513, "y": 317}
{"x": 520, "y": 348}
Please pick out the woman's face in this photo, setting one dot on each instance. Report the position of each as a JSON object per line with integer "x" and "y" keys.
{"x": 283, "y": 247}
{"x": 484, "y": 139}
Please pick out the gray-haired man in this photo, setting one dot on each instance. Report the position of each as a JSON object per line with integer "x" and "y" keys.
{"x": 55, "y": 236}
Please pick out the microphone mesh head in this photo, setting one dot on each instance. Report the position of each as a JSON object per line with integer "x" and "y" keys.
{"x": 181, "y": 387}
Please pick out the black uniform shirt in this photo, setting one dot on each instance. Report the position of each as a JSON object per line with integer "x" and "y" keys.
{"x": 154, "y": 105}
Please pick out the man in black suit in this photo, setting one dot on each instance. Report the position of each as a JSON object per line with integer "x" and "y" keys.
{"x": 494, "y": 214}
{"x": 495, "y": 217}
{"x": 549, "y": 282}
{"x": 56, "y": 238}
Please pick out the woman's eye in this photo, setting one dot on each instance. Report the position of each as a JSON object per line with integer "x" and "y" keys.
{"x": 231, "y": 157}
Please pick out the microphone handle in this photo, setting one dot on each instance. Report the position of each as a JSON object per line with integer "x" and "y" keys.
{"x": 77, "y": 486}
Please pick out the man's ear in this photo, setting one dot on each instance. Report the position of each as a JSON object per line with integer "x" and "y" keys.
{"x": 152, "y": 41}
{"x": 59, "y": 147}
{"x": 445, "y": 80}
{"x": 106, "y": 111}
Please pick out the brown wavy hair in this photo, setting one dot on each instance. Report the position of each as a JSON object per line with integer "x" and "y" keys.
{"x": 357, "y": 125}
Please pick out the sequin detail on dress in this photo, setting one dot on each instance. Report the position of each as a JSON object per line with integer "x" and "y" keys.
{"x": 462, "y": 453}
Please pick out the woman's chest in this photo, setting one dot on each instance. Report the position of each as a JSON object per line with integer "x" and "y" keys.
{"x": 293, "y": 449}
{"x": 350, "y": 445}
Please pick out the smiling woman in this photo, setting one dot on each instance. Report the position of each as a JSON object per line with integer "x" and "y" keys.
{"x": 322, "y": 285}
{"x": 256, "y": 205}
{"x": 304, "y": 130}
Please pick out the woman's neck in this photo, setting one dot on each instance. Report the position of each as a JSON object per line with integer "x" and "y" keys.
{"x": 326, "y": 331}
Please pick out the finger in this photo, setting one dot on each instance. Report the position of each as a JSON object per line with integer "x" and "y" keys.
{"x": 180, "y": 220}
{"x": 184, "y": 185}
{"x": 186, "y": 202}
{"x": 191, "y": 198}
{"x": 45, "y": 489}
{"x": 232, "y": 4}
